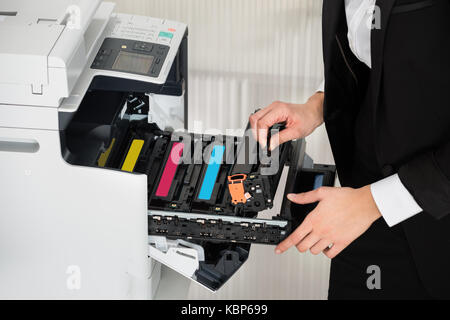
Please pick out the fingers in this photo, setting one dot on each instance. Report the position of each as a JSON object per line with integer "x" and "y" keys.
{"x": 281, "y": 137}
{"x": 320, "y": 246}
{"x": 262, "y": 120}
{"x": 267, "y": 121}
{"x": 333, "y": 251}
{"x": 309, "y": 241}
{"x": 302, "y": 231}
{"x": 309, "y": 197}
{"x": 255, "y": 117}
{"x": 260, "y": 113}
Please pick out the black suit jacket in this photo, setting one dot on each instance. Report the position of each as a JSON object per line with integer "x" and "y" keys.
{"x": 410, "y": 101}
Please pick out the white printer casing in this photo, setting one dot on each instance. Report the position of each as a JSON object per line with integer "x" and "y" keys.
{"x": 75, "y": 223}
{"x": 66, "y": 231}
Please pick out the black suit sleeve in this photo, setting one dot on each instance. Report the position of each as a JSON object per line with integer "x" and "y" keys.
{"x": 427, "y": 178}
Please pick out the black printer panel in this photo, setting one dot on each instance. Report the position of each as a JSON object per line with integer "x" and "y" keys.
{"x": 130, "y": 56}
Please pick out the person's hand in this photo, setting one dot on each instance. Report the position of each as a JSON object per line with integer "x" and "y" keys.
{"x": 301, "y": 120}
{"x": 341, "y": 216}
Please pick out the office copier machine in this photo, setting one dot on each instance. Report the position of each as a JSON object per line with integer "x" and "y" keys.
{"x": 99, "y": 186}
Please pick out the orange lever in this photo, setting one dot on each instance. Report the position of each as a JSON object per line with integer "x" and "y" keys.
{"x": 236, "y": 188}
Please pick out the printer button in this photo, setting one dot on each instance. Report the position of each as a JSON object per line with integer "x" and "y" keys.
{"x": 154, "y": 70}
{"x": 105, "y": 52}
{"x": 141, "y": 46}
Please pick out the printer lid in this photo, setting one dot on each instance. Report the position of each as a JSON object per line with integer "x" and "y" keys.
{"x": 29, "y": 31}
{"x": 38, "y": 35}
{"x": 27, "y": 12}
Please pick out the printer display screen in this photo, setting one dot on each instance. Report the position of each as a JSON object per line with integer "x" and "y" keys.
{"x": 133, "y": 62}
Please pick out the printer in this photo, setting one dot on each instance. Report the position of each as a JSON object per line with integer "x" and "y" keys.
{"x": 100, "y": 182}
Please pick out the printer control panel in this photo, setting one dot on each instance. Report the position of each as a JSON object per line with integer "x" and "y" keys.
{"x": 131, "y": 56}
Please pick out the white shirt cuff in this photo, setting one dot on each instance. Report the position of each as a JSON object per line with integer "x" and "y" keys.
{"x": 393, "y": 200}
{"x": 321, "y": 87}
